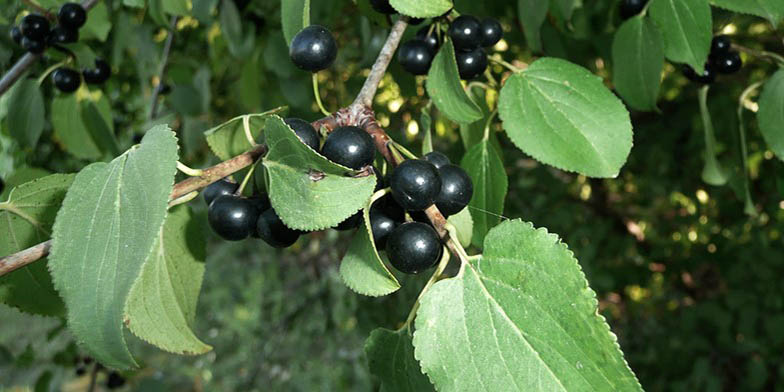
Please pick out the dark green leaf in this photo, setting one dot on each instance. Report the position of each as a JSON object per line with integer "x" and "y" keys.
{"x": 391, "y": 358}
{"x": 771, "y": 113}
{"x": 443, "y": 86}
{"x": 638, "y": 60}
{"x": 69, "y": 128}
{"x": 687, "y": 28}
{"x": 294, "y": 15}
{"x": 532, "y": 14}
{"x": 25, "y": 118}
{"x": 771, "y": 10}
{"x": 487, "y": 172}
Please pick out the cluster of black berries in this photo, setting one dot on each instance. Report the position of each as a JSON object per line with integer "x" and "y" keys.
{"x": 630, "y": 8}
{"x": 722, "y": 59}
{"x": 114, "y": 380}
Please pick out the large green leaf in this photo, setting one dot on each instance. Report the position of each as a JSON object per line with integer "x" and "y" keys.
{"x": 26, "y": 219}
{"x": 98, "y": 24}
{"x": 443, "y": 86}
{"x": 308, "y": 191}
{"x": 487, "y": 172}
{"x": 25, "y": 118}
{"x": 100, "y": 128}
{"x": 520, "y": 318}
{"x": 162, "y": 303}
{"x": 69, "y": 128}
{"x": 638, "y": 60}
{"x": 687, "y": 28}
{"x": 105, "y": 230}
{"x": 771, "y": 113}
{"x": 532, "y": 14}
{"x": 421, "y": 9}
{"x": 772, "y": 10}
{"x": 390, "y": 357}
{"x": 562, "y": 115}
{"x": 294, "y": 16}
{"x": 176, "y": 7}
{"x": 228, "y": 139}
{"x": 240, "y": 43}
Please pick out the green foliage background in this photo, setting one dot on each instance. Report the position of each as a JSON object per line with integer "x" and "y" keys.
{"x": 688, "y": 282}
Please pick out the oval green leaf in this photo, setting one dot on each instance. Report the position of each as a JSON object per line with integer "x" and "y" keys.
{"x": 687, "y": 28}
{"x": 421, "y": 9}
{"x": 487, "y": 172}
{"x": 294, "y": 16}
{"x": 228, "y": 139}
{"x": 444, "y": 88}
{"x": 25, "y": 115}
{"x": 772, "y": 10}
{"x": 771, "y": 113}
{"x": 638, "y": 60}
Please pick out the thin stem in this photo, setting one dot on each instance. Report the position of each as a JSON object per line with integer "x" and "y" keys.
{"x": 404, "y": 150}
{"x": 748, "y": 204}
{"x": 248, "y": 133}
{"x": 490, "y": 78}
{"x": 436, "y": 274}
{"x": 187, "y": 170}
{"x": 490, "y": 118}
{"x": 245, "y": 180}
{"x": 479, "y": 84}
{"x": 38, "y": 7}
{"x": 93, "y": 377}
{"x": 712, "y": 172}
{"x": 396, "y": 156}
{"x": 499, "y": 61}
{"x": 49, "y": 70}
{"x": 318, "y": 96}
{"x": 183, "y": 199}
{"x": 162, "y": 70}
{"x": 770, "y": 56}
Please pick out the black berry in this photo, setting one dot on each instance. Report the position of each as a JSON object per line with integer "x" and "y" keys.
{"x": 413, "y": 247}
{"x": 232, "y": 217}
{"x": 80, "y": 370}
{"x": 391, "y": 208}
{"x": 415, "y": 57}
{"x": 115, "y": 380}
{"x": 304, "y": 131}
{"x": 727, "y": 63}
{"x": 456, "y": 190}
{"x": 382, "y": 226}
{"x": 466, "y": 33}
{"x": 219, "y": 188}
{"x": 382, "y": 6}
{"x": 72, "y": 15}
{"x": 492, "y": 32}
{"x": 415, "y": 21}
{"x": 35, "y": 27}
{"x": 349, "y": 146}
{"x": 16, "y": 35}
{"x": 415, "y": 184}
{"x": 431, "y": 39}
{"x": 630, "y": 8}
{"x": 351, "y": 222}
{"x": 63, "y": 35}
{"x": 164, "y": 89}
{"x": 66, "y": 79}
{"x": 271, "y": 229}
{"x": 313, "y": 48}
{"x": 99, "y": 74}
{"x": 2, "y": 185}
{"x": 720, "y": 44}
{"x": 707, "y": 77}
{"x": 33, "y": 46}
{"x": 471, "y": 64}
{"x": 438, "y": 159}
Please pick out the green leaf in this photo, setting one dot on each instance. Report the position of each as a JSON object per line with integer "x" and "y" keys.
{"x": 443, "y": 86}
{"x": 69, "y": 128}
{"x": 687, "y": 28}
{"x": 162, "y": 303}
{"x": 176, "y": 7}
{"x": 532, "y": 14}
{"x": 240, "y": 44}
{"x": 564, "y": 116}
{"x": 712, "y": 173}
{"x": 520, "y": 318}
{"x": 134, "y": 3}
{"x": 84, "y": 54}
{"x": 638, "y": 61}
{"x": 98, "y": 24}
{"x": 421, "y": 9}
{"x": 564, "y": 8}
{"x": 425, "y": 126}
{"x": 294, "y": 16}
{"x": 20, "y": 176}
{"x": 487, "y": 172}
{"x": 771, "y": 10}
{"x": 25, "y": 118}
{"x": 26, "y": 219}
{"x": 771, "y": 113}
{"x": 105, "y": 230}
{"x": 99, "y": 129}
{"x": 464, "y": 225}
{"x": 390, "y": 357}
{"x": 307, "y": 190}
{"x": 228, "y": 139}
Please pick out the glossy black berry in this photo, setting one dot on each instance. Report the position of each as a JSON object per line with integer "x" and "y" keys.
{"x": 63, "y": 35}
{"x": 630, "y": 8}
{"x": 99, "y": 74}
{"x": 33, "y": 46}
{"x": 80, "y": 370}
{"x": 456, "y": 190}
{"x": 232, "y": 217}
{"x": 2, "y": 185}
{"x": 466, "y": 33}
{"x": 72, "y": 15}
{"x": 351, "y": 222}
{"x": 391, "y": 208}
{"x": 66, "y": 79}
{"x": 313, "y": 48}
{"x": 415, "y": 21}
{"x": 35, "y": 27}
{"x": 430, "y": 38}
{"x": 274, "y": 232}
{"x": 438, "y": 159}
{"x": 349, "y": 146}
{"x": 382, "y": 226}
{"x": 382, "y": 6}
{"x": 164, "y": 89}
{"x": 720, "y": 44}
{"x": 219, "y": 188}
{"x": 471, "y": 64}
{"x": 415, "y": 57}
{"x": 413, "y": 247}
{"x": 415, "y": 184}
{"x": 707, "y": 77}
{"x": 304, "y": 131}
{"x": 492, "y": 32}
{"x": 727, "y": 63}
{"x": 115, "y": 380}
{"x": 16, "y": 35}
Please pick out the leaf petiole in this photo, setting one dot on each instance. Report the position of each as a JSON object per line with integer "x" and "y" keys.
{"x": 318, "y": 96}
{"x": 189, "y": 171}
{"x": 439, "y": 270}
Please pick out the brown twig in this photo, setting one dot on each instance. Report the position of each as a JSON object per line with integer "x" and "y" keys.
{"x": 365, "y": 96}
{"x": 38, "y": 8}
{"x": 162, "y": 71}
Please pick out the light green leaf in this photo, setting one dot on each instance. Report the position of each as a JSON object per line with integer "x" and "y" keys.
{"x": 308, "y": 191}
{"x": 21, "y": 175}
{"x": 134, "y": 3}
{"x": 294, "y": 16}
{"x": 520, "y": 318}
{"x": 390, "y": 357}
{"x": 84, "y": 54}
{"x": 105, "y": 230}
{"x": 69, "y": 128}
{"x": 425, "y": 125}
{"x": 687, "y": 28}
{"x": 638, "y": 60}
{"x": 26, "y": 219}
{"x": 162, "y": 304}
{"x": 98, "y": 25}
{"x": 228, "y": 139}
{"x": 464, "y": 225}
{"x": 487, "y": 172}
{"x": 532, "y": 14}
{"x": 176, "y": 7}
{"x": 771, "y": 113}
{"x": 564, "y": 116}
{"x": 421, "y": 9}
{"x": 443, "y": 86}
{"x": 25, "y": 118}
{"x": 772, "y": 10}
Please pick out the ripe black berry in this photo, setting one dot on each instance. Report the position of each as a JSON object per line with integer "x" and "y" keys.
{"x": 2, "y": 185}
{"x": 415, "y": 57}
{"x": 232, "y": 217}
{"x": 720, "y": 44}
{"x": 466, "y": 33}
{"x": 99, "y": 74}
{"x": 391, "y": 208}
{"x": 491, "y": 32}
{"x": 456, "y": 190}
{"x": 72, "y": 15}
{"x": 383, "y": 6}
{"x": 415, "y": 184}
{"x": 382, "y": 226}
{"x": 271, "y": 229}
{"x": 115, "y": 380}
{"x": 413, "y": 247}
{"x": 727, "y": 63}
{"x": 437, "y": 159}
{"x": 351, "y": 222}
{"x": 630, "y": 8}
{"x": 707, "y": 77}
{"x": 16, "y": 35}
{"x": 349, "y": 146}
{"x": 66, "y": 79}
{"x": 219, "y": 188}
{"x": 431, "y": 40}
{"x": 304, "y": 131}
{"x": 63, "y": 35}
{"x": 471, "y": 64}
{"x": 33, "y": 46}
{"x": 415, "y": 21}
{"x": 35, "y": 27}
{"x": 80, "y": 370}
{"x": 313, "y": 48}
